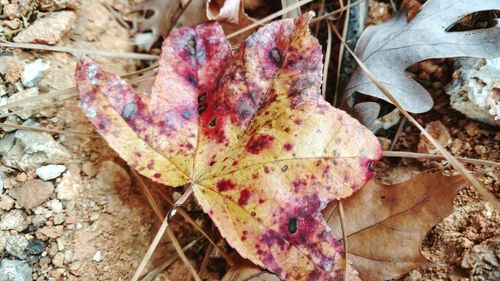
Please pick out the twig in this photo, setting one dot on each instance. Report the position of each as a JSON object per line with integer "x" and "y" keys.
{"x": 327, "y": 59}
{"x": 338, "y": 11}
{"x": 75, "y": 51}
{"x": 440, "y": 157}
{"x": 398, "y": 132}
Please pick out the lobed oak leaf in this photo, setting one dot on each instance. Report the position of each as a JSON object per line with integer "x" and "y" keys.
{"x": 387, "y": 223}
{"x": 251, "y": 133}
{"x": 389, "y": 48}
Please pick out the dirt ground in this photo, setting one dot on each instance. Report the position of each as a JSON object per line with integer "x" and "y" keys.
{"x": 96, "y": 224}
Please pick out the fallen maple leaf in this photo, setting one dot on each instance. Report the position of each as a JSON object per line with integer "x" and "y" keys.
{"x": 252, "y": 135}
{"x": 389, "y": 48}
{"x": 385, "y": 225}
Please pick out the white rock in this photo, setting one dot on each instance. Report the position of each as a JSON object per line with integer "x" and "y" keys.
{"x": 34, "y": 72}
{"x": 15, "y": 219}
{"x": 55, "y": 205}
{"x": 16, "y": 245}
{"x": 6, "y": 202}
{"x": 475, "y": 89}
{"x": 50, "y": 172}
{"x": 97, "y": 256}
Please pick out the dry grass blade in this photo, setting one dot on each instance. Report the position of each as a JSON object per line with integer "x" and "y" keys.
{"x": 327, "y": 60}
{"x": 430, "y": 156}
{"x": 341, "y": 52}
{"x": 338, "y": 11}
{"x": 164, "y": 228}
{"x": 170, "y": 233}
{"x": 75, "y": 51}
{"x": 485, "y": 194}
{"x": 344, "y": 234}
{"x": 152, "y": 274}
{"x": 270, "y": 17}
{"x": 52, "y": 131}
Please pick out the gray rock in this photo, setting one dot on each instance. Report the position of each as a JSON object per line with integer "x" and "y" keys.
{"x": 47, "y": 30}
{"x": 15, "y": 219}
{"x": 16, "y": 245}
{"x": 475, "y": 89}
{"x": 34, "y": 72}
{"x": 14, "y": 270}
{"x": 50, "y": 172}
{"x": 3, "y": 240}
{"x": 32, "y": 193}
{"x": 29, "y": 93}
{"x": 32, "y": 149}
{"x": 12, "y": 120}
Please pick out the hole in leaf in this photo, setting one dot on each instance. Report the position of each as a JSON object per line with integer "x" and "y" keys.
{"x": 371, "y": 166}
{"x": 292, "y": 225}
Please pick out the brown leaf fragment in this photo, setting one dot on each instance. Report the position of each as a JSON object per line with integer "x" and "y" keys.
{"x": 385, "y": 225}
{"x": 248, "y": 272}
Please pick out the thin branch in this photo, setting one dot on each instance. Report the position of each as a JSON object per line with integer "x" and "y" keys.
{"x": 75, "y": 51}
{"x": 440, "y": 157}
{"x": 45, "y": 130}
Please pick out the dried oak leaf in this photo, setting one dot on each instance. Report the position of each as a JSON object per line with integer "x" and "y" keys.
{"x": 250, "y": 132}
{"x": 389, "y": 48}
{"x": 387, "y": 223}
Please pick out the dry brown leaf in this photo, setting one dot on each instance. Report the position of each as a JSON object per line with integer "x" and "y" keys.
{"x": 385, "y": 225}
{"x": 231, "y": 15}
{"x": 248, "y": 272}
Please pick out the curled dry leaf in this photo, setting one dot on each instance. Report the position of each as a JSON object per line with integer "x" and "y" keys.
{"x": 386, "y": 224}
{"x": 389, "y": 48}
{"x": 250, "y": 131}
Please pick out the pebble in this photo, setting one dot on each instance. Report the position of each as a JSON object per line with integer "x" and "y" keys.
{"x": 3, "y": 240}
{"x": 70, "y": 185}
{"x": 16, "y": 246}
{"x": 32, "y": 193}
{"x": 47, "y": 30}
{"x": 50, "y": 172}
{"x": 25, "y": 94}
{"x": 34, "y": 72}
{"x": 97, "y": 257}
{"x": 55, "y": 205}
{"x": 12, "y": 11}
{"x": 36, "y": 247}
{"x": 15, "y": 270}
{"x": 474, "y": 90}
{"x": 59, "y": 219}
{"x": 6, "y": 202}
{"x": 58, "y": 260}
{"x": 50, "y": 231}
{"x": 13, "y": 220}
{"x": 32, "y": 149}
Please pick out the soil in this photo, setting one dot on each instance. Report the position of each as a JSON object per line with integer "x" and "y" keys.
{"x": 107, "y": 223}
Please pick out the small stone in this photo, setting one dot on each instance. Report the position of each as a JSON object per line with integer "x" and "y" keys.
{"x": 438, "y": 131}
{"x": 97, "y": 257}
{"x": 13, "y": 72}
{"x": 39, "y": 220}
{"x": 6, "y": 202}
{"x": 15, "y": 270}
{"x": 36, "y": 247}
{"x": 47, "y": 30}
{"x": 55, "y": 205}
{"x": 480, "y": 149}
{"x": 32, "y": 149}
{"x": 19, "y": 110}
{"x": 414, "y": 275}
{"x": 32, "y": 193}
{"x": 34, "y": 72}
{"x": 3, "y": 239}
{"x": 50, "y": 172}
{"x": 12, "y": 11}
{"x": 13, "y": 220}
{"x": 58, "y": 260}
{"x": 68, "y": 256}
{"x": 50, "y": 231}
{"x": 112, "y": 175}
{"x": 70, "y": 185}
{"x": 89, "y": 169}
{"x": 475, "y": 89}
{"x": 16, "y": 245}
{"x": 59, "y": 219}
{"x": 74, "y": 266}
